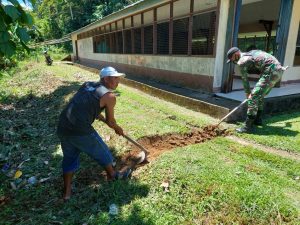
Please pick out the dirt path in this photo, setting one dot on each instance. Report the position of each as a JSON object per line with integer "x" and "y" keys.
{"x": 282, "y": 153}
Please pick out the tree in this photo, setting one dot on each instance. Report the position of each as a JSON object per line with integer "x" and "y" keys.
{"x": 109, "y": 6}
{"x": 55, "y": 18}
{"x": 15, "y": 24}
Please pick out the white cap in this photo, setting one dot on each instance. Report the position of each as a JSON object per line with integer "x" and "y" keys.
{"x": 110, "y": 72}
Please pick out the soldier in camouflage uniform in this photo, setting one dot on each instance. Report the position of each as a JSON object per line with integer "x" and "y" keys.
{"x": 270, "y": 71}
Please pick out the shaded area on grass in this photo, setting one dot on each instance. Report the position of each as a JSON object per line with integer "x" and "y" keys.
{"x": 28, "y": 132}
{"x": 280, "y": 131}
{"x": 275, "y": 130}
{"x": 214, "y": 182}
{"x": 221, "y": 182}
{"x": 41, "y": 204}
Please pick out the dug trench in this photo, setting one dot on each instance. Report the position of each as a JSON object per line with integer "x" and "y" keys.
{"x": 158, "y": 144}
{"x": 155, "y": 145}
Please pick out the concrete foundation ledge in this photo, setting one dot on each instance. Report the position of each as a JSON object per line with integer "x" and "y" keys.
{"x": 193, "y": 104}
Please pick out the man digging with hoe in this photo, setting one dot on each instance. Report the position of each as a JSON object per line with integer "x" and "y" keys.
{"x": 75, "y": 129}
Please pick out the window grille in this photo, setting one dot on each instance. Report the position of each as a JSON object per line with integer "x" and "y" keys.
{"x": 203, "y": 34}
{"x": 100, "y": 44}
{"x": 137, "y": 41}
{"x": 180, "y": 36}
{"x": 148, "y": 42}
{"x": 114, "y": 39}
{"x": 127, "y": 34}
{"x": 106, "y": 45}
{"x": 248, "y": 43}
{"x": 112, "y": 42}
{"x": 163, "y": 38}
{"x": 119, "y": 40}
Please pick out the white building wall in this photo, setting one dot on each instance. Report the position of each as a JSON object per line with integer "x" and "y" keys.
{"x": 220, "y": 47}
{"x": 193, "y": 65}
{"x": 74, "y": 47}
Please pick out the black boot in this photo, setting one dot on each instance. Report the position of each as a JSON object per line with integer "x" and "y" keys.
{"x": 248, "y": 127}
{"x": 258, "y": 120}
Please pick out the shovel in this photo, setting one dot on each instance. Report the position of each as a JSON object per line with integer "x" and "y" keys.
{"x": 231, "y": 112}
{"x": 142, "y": 156}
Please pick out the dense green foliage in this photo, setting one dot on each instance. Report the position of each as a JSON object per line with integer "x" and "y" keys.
{"x": 20, "y": 28}
{"x": 14, "y": 25}
{"x": 57, "y": 18}
{"x": 16, "y": 31}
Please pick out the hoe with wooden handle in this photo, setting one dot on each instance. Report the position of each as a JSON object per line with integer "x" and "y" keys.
{"x": 142, "y": 156}
{"x": 231, "y": 112}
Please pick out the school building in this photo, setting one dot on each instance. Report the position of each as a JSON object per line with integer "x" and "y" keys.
{"x": 184, "y": 42}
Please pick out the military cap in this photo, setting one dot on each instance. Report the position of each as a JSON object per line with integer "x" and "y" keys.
{"x": 231, "y": 52}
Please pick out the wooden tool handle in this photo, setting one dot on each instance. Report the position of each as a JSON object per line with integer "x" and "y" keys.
{"x": 135, "y": 143}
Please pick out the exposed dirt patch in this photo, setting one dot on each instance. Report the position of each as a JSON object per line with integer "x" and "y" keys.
{"x": 156, "y": 145}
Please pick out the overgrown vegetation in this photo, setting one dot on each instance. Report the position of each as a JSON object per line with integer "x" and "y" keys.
{"x": 22, "y": 29}
{"x": 215, "y": 182}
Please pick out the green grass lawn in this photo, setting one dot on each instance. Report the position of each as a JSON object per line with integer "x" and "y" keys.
{"x": 280, "y": 131}
{"x": 215, "y": 182}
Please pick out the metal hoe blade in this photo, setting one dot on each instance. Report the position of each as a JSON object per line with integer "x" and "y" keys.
{"x": 142, "y": 156}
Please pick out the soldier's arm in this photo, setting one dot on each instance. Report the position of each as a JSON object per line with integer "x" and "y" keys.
{"x": 245, "y": 62}
{"x": 245, "y": 80}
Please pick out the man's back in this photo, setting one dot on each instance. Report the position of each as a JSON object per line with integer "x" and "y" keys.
{"x": 257, "y": 60}
{"x": 82, "y": 110}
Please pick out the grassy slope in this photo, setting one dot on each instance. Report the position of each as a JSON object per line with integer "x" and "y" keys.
{"x": 214, "y": 182}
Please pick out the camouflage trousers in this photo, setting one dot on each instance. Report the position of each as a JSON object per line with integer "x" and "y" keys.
{"x": 262, "y": 88}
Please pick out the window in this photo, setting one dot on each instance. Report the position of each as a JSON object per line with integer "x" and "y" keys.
{"x": 137, "y": 41}
{"x": 100, "y": 44}
{"x": 203, "y": 34}
{"x": 148, "y": 48}
{"x": 127, "y": 43}
{"x": 119, "y": 42}
{"x": 180, "y": 36}
{"x": 112, "y": 43}
{"x": 163, "y": 38}
{"x": 106, "y": 48}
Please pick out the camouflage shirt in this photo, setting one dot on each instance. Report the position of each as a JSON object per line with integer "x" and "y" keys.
{"x": 256, "y": 60}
